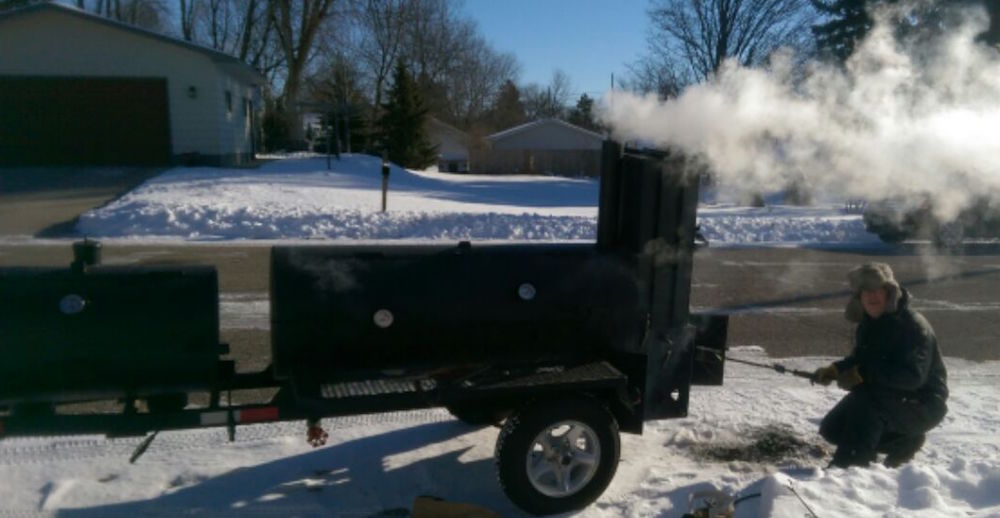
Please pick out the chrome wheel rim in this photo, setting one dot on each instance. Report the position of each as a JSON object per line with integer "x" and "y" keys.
{"x": 563, "y": 458}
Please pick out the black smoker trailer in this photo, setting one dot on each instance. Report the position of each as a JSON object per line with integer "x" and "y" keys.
{"x": 564, "y": 344}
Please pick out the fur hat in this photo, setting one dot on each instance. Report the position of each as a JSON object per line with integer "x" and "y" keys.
{"x": 871, "y": 276}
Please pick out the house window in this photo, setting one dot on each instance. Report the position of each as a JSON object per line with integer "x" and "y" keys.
{"x": 229, "y": 102}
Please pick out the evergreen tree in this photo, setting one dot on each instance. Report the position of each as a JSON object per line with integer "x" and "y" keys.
{"x": 849, "y": 23}
{"x": 507, "y": 110}
{"x": 435, "y": 96}
{"x": 274, "y": 127}
{"x": 583, "y": 114}
{"x": 338, "y": 87}
{"x": 401, "y": 126}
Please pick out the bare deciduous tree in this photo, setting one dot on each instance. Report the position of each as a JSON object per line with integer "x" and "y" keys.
{"x": 476, "y": 81}
{"x": 188, "y": 14}
{"x": 696, "y": 37}
{"x": 297, "y": 24}
{"x": 382, "y": 28}
{"x": 650, "y": 75}
{"x": 148, "y": 14}
{"x": 454, "y": 67}
{"x": 550, "y": 101}
{"x": 241, "y": 28}
{"x": 434, "y": 35}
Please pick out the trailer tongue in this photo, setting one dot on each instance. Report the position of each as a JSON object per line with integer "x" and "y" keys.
{"x": 565, "y": 345}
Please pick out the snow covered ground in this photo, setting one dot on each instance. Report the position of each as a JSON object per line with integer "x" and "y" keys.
{"x": 300, "y": 199}
{"x": 376, "y": 465}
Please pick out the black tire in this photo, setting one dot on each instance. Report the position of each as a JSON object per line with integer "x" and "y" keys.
{"x": 517, "y": 441}
{"x": 473, "y": 415}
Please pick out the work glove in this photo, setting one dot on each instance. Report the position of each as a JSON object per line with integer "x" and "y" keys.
{"x": 849, "y": 379}
{"x": 825, "y": 375}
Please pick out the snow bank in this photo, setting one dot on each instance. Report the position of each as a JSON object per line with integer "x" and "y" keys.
{"x": 297, "y": 198}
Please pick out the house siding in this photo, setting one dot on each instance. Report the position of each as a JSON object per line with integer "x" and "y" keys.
{"x": 61, "y": 44}
{"x": 235, "y": 130}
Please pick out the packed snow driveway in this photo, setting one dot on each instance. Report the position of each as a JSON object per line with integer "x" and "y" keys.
{"x": 756, "y": 434}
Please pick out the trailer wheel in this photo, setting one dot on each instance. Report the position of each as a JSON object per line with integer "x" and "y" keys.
{"x": 557, "y": 456}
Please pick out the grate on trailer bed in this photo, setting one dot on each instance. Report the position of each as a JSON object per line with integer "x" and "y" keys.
{"x": 597, "y": 372}
{"x": 376, "y": 388}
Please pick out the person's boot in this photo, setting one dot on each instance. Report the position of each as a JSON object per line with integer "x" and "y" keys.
{"x": 902, "y": 450}
{"x": 846, "y": 457}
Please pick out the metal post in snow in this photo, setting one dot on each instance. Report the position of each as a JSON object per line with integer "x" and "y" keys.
{"x": 328, "y": 128}
{"x": 336, "y": 131}
{"x": 347, "y": 126}
{"x": 385, "y": 178}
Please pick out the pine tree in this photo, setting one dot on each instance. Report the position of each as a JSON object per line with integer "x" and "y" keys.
{"x": 401, "y": 126}
{"x": 849, "y": 22}
{"x": 848, "y": 25}
{"x": 583, "y": 114}
{"x": 507, "y": 110}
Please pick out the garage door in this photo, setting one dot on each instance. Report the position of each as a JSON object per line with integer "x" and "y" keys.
{"x": 83, "y": 121}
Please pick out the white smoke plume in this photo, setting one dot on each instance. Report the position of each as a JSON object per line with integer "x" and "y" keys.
{"x": 899, "y": 119}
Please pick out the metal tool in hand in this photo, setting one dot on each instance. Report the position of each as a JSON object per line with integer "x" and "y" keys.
{"x": 781, "y": 369}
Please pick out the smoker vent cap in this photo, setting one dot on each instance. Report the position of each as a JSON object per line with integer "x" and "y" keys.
{"x": 383, "y": 318}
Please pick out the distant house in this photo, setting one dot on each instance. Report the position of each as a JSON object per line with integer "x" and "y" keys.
{"x": 452, "y": 146}
{"x": 546, "y": 146}
{"x": 80, "y": 89}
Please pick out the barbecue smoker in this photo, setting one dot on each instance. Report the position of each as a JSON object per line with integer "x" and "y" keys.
{"x": 565, "y": 345}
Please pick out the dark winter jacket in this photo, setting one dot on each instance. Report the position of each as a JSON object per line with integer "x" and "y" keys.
{"x": 897, "y": 356}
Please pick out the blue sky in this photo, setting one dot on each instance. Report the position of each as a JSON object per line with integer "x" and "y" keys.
{"x": 588, "y": 39}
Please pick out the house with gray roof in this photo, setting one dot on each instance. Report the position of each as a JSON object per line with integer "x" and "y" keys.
{"x": 545, "y": 146}
{"x": 452, "y": 146}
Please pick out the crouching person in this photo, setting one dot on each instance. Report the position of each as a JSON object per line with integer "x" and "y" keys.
{"x": 896, "y": 380}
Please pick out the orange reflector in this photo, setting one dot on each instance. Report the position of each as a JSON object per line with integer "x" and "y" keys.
{"x": 255, "y": 415}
